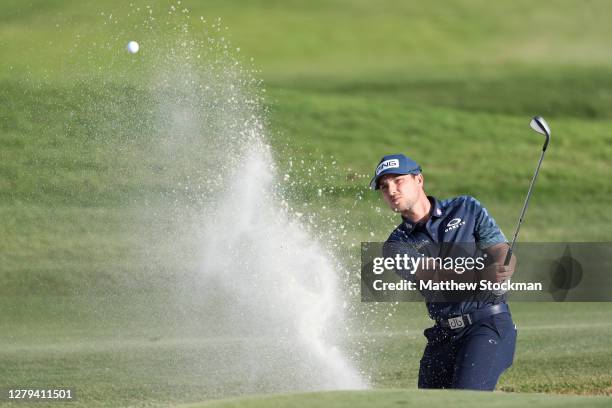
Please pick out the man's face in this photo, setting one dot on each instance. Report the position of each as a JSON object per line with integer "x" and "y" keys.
{"x": 401, "y": 192}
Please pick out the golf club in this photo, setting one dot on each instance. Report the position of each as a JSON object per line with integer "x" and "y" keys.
{"x": 539, "y": 125}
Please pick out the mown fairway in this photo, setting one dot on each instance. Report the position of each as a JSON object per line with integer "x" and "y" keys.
{"x": 396, "y": 398}
{"x": 452, "y": 84}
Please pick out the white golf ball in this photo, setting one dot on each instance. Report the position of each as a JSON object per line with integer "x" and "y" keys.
{"x": 133, "y": 47}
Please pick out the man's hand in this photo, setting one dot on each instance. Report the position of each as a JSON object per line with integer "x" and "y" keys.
{"x": 497, "y": 273}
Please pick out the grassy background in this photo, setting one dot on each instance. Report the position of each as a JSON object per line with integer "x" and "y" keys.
{"x": 403, "y": 398}
{"x": 453, "y": 84}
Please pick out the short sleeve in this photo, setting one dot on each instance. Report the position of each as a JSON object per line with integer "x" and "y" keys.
{"x": 487, "y": 232}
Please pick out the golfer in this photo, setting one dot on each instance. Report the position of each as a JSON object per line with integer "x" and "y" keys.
{"x": 473, "y": 339}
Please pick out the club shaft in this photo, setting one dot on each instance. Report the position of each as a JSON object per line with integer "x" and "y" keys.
{"x": 520, "y": 220}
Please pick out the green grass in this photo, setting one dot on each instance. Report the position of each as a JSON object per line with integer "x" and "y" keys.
{"x": 118, "y": 352}
{"x": 403, "y": 398}
{"x": 85, "y": 191}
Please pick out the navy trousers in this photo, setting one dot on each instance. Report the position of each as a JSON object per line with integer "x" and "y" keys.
{"x": 470, "y": 358}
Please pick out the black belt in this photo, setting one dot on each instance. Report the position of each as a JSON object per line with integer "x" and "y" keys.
{"x": 465, "y": 320}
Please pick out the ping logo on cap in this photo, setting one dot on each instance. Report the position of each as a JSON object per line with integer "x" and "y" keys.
{"x": 387, "y": 164}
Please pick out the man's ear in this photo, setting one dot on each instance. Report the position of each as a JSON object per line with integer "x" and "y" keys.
{"x": 420, "y": 179}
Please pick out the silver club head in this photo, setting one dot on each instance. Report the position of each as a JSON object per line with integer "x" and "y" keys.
{"x": 539, "y": 125}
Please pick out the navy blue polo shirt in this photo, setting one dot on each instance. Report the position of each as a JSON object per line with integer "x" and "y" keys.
{"x": 456, "y": 220}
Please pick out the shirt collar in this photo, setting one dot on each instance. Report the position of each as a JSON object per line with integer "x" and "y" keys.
{"x": 436, "y": 208}
{"x": 434, "y": 212}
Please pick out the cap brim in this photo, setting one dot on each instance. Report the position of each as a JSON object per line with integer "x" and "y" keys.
{"x": 374, "y": 182}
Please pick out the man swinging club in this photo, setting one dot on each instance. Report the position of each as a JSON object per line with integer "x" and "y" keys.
{"x": 472, "y": 341}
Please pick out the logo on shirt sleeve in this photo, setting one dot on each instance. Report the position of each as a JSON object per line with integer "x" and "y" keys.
{"x": 454, "y": 224}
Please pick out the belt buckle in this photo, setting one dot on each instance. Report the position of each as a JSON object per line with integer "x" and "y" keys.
{"x": 456, "y": 322}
